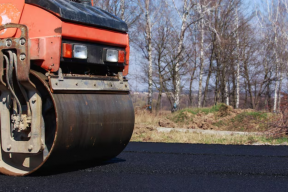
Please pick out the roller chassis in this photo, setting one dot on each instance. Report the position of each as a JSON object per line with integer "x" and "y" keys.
{"x": 67, "y": 82}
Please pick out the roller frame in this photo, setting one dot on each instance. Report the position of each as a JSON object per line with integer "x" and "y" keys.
{"x": 64, "y": 82}
{"x": 34, "y": 145}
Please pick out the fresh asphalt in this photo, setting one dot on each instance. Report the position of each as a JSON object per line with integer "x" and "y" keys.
{"x": 168, "y": 167}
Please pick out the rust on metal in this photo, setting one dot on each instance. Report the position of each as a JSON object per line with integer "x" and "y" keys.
{"x": 24, "y": 62}
{"x": 45, "y": 51}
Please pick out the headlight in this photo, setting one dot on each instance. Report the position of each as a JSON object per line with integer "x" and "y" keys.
{"x": 114, "y": 56}
{"x": 80, "y": 52}
{"x": 111, "y": 55}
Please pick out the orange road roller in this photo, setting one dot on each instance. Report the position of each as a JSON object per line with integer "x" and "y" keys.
{"x": 64, "y": 94}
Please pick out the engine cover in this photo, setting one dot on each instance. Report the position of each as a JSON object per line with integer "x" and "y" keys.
{"x": 85, "y": 14}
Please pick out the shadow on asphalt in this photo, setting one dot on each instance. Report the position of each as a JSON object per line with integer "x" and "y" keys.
{"x": 59, "y": 169}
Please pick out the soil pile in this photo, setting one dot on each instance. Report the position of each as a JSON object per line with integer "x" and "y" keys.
{"x": 218, "y": 118}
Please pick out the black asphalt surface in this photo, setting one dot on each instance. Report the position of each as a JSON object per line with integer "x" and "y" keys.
{"x": 168, "y": 167}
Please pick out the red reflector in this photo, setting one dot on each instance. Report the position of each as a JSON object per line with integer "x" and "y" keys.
{"x": 67, "y": 50}
{"x": 121, "y": 57}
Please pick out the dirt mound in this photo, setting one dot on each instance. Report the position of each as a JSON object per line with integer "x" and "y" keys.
{"x": 187, "y": 115}
{"x": 211, "y": 120}
{"x": 166, "y": 123}
{"x": 224, "y": 111}
{"x": 203, "y": 121}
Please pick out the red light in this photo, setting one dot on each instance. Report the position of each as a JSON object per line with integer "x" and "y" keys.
{"x": 121, "y": 57}
{"x": 67, "y": 50}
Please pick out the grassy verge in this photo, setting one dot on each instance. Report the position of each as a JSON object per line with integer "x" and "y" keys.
{"x": 150, "y": 135}
{"x": 219, "y": 118}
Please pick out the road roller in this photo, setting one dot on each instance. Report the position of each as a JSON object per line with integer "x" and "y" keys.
{"x": 65, "y": 97}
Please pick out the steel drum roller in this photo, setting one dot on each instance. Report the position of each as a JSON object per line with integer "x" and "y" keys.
{"x": 78, "y": 127}
{"x": 92, "y": 126}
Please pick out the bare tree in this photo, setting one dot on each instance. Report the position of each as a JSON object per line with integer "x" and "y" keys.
{"x": 128, "y": 11}
{"x": 201, "y": 12}
{"x": 185, "y": 13}
{"x": 242, "y": 61}
{"x": 238, "y": 61}
{"x": 149, "y": 45}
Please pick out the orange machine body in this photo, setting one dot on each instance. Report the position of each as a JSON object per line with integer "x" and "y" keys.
{"x": 10, "y": 13}
{"x": 46, "y": 31}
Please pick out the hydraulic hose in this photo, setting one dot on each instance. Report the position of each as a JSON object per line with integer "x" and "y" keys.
{"x": 9, "y": 77}
{"x": 21, "y": 87}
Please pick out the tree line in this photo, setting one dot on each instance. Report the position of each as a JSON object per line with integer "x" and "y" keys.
{"x": 226, "y": 50}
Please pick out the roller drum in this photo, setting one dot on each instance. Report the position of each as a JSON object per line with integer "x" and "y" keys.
{"x": 91, "y": 126}
{"x": 78, "y": 127}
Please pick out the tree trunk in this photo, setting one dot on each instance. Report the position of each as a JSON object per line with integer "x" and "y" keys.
{"x": 269, "y": 97}
{"x": 277, "y": 66}
{"x": 258, "y": 98}
{"x": 216, "y": 96}
{"x": 207, "y": 81}
{"x": 246, "y": 94}
{"x": 249, "y": 86}
{"x": 190, "y": 88}
{"x": 279, "y": 91}
{"x": 226, "y": 93}
{"x": 177, "y": 66}
{"x": 201, "y": 63}
{"x": 238, "y": 63}
{"x": 234, "y": 92}
{"x": 159, "y": 100}
{"x": 276, "y": 85}
{"x": 225, "y": 86}
{"x": 149, "y": 42}
{"x": 122, "y": 7}
{"x": 158, "y": 105}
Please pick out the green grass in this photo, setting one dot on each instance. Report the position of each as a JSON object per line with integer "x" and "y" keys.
{"x": 276, "y": 141}
{"x": 181, "y": 137}
{"x": 254, "y": 115}
{"x": 220, "y": 124}
{"x": 181, "y": 116}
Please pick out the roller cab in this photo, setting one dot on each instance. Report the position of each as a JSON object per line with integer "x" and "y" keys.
{"x": 64, "y": 94}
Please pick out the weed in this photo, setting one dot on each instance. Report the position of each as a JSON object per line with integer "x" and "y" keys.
{"x": 188, "y": 114}
{"x": 251, "y": 139}
{"x": 183, "y": 115}
{"x": 223, "y": 110}
{"x": 249, "y": 115}
{"x": 220, "y": 124}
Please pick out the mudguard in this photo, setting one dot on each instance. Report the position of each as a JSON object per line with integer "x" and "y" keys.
{"x": 10, "y": 12}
